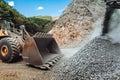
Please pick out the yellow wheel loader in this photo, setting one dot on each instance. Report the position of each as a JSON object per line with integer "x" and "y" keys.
{"x": 40, "y": 50}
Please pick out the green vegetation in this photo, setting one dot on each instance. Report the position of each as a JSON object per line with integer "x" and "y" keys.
{"x": 33, "y": 24}
{"x": 42, "y": 21}
{"x": 49, "y": 26}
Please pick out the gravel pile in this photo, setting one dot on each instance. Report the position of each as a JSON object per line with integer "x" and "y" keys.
{"x": 98, "y": 60}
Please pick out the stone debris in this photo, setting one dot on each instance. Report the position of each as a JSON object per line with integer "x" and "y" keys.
{"x": 98, "y": 60}
{"x": 76, "y": 22}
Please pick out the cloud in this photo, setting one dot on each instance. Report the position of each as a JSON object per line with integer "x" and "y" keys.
{"x": 40, "y": 8}
{"x": 11, "y": 3}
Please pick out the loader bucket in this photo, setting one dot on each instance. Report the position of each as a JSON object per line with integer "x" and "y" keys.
{"x": 41, "y": 50}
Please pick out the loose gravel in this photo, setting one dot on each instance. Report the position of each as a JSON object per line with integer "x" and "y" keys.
{"x": 98, "y": 60}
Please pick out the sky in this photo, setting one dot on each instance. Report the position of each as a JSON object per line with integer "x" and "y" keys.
{"x": 31, "y": 8}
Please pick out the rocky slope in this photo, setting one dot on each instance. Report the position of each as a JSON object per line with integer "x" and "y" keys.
{"x": 76, "y": 22}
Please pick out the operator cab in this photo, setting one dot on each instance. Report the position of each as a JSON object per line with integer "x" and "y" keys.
{"x": 7, "y": 27}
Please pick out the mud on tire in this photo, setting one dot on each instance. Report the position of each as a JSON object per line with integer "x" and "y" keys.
{"x": 9, "y": 50}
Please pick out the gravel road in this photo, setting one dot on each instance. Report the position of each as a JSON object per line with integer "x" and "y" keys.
{"x": 98, "y": 60}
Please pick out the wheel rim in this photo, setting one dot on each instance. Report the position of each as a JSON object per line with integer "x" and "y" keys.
{"x": 4, "y": 50}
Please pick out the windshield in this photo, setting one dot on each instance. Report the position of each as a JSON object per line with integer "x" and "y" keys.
{"x": 4, "y": 24}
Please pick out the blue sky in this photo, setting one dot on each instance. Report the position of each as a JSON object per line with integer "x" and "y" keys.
{"x": 39, "y": 7}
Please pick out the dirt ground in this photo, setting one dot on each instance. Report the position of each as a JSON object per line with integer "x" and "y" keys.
{"x": 20, "y": 71}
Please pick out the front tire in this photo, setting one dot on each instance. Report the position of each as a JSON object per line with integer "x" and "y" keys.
{"x": 9, "y": 50}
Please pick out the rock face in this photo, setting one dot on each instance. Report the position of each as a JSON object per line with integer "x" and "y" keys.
{"x": 76, "y": 22}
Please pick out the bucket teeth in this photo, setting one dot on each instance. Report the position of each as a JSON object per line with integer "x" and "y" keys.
{"x": 54, "y": 61}
{"x": 43, "y": 35}
{"x": 45, "y": 67}
{"x": 50, "y": 63}
{"x": 58, "y": 58}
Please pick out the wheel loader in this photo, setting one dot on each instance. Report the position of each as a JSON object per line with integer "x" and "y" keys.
{"x": 39, "y": 50}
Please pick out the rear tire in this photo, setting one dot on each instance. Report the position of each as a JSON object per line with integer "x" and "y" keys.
{"x": 9, "y": 50}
